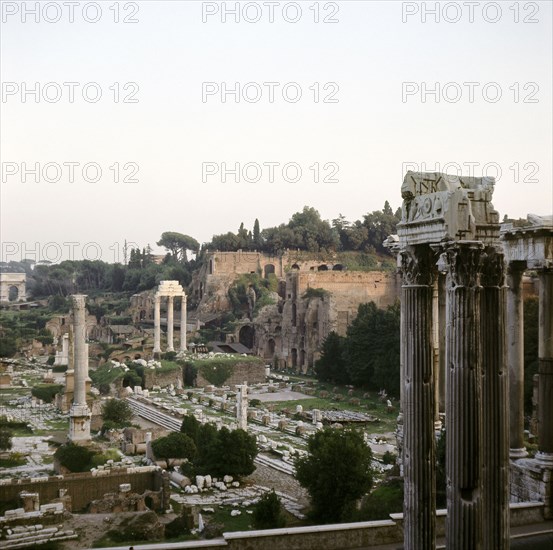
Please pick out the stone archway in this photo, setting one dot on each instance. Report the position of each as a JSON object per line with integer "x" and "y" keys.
{"x": 270, "y": 349}
{"x": 269, "y": 270}
{"x": 13, "y": 293}
{"x": 246, "y": 336}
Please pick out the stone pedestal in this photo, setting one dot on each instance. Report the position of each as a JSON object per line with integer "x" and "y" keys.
{"x": 418, "y": 400}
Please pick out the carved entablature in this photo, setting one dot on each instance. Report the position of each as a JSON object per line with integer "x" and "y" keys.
{"x": 531, "y": 244}
{"x": 439, "y": 207}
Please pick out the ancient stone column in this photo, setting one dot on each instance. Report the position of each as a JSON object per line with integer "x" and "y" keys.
{"x": 442, "y": 317}
{"x": 436, "y": 353}
{"x": 157, "y": 324}
{"x": 418, "y": 265}
{"x": 515, "y": 358}
{"x": 79, "y": 424}
{"x": 495, "y": 416}
{"x": 545, "y": 381}
{"x": 242, "y": 407}
{"x": 464, "y": 398}
{"x": 170, "y": 346}
{"x": 183, "y": 323}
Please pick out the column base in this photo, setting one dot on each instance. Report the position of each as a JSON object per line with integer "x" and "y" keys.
{"x": 157, "y": 350}
{"x": 171, "y": 349}
{"x": 546, "y": 459}
{"x": 518, "y": 453}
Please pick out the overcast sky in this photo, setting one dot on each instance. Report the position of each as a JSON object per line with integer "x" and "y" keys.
{"x": 366, "y": 72}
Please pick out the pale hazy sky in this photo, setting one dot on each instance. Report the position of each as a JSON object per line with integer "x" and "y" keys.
{"x": 374, "y": 62}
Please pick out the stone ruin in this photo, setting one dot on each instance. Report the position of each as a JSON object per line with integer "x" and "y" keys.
{"x": 452, "y": 262}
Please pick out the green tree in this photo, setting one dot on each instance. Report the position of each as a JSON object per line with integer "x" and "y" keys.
{"x": 238, "y": 450}
{"x": 116, "y": 413}
{"x": 332, "y": 364}
{"x": 74, "y": 457}
{"x": 267, "y": 513}
{"x": 336, "y": 472}
{"x": 178, "y": 244}
{"x": 175, "y": 445}
{"x": 190, "y": 426}
{"x": 256, "y": 235}
{"x": 5, "y": 438}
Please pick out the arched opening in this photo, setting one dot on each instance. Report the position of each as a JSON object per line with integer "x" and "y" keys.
{"x": 137, "y": 356}
{"x": 338, "y": 267}
{"x": 322, "y": 268}
{"x": 246, "y": 336}
{"x": 302, "y": 358}
{"x": 269, "y": 269}
{"x": 149, "y": 502}
{"x": 294, "y": 358}
{"x": 211, "y": 267}
{"x": 270, "y": 349}
{"x": 13, "y": 293}
{"x": 142, "y": 314}
{"x": 296, "y": 267}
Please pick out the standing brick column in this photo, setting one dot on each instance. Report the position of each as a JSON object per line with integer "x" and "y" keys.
{"x": 418, "y": 399}
{"x": 545, "y": 381}
{"x": 515, "y": 358}
{"x": 495, "y": 416}
{"x": 464, "y": 398}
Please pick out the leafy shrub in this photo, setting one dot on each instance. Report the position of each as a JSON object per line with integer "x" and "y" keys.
{"x": 74, "y": 457}
{"x": 46, "y": 392}
{"x": 267, "y": 513}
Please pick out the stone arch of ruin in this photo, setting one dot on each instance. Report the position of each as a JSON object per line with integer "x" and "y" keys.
{"x": 12, "y": 287}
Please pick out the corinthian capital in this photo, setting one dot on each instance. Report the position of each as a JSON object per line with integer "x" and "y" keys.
{"x": 417, "y": 265}
{"x": 463, "y": 261}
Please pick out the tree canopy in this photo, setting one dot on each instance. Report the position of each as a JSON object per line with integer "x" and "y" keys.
{"x": 175, "y": 445}
{"x": 177, "y": 244}
{"x": 336, "y": 472}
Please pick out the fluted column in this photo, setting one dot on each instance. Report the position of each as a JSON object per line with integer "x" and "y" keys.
{"x": 515, "y": 358}
{"x": 442, "y": 317}
{"x": 183, "y": 323}
{"x": 170, "y": 346}
{"x": 157, "y": 325}
{"x": 545, "y": 381}
{"x": 79, "y": 415}
{"x": 464, "y": 398}
{"x": 436, "y": 352}
{"x": 495, "y": 415}
{"x": 418, "y": 399}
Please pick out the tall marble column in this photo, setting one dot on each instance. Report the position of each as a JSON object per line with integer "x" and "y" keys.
{"x": 79, "y": 423}
{"x": 442, "y": 318}
{"x": 418, "y": 399}
{"x": 157, "y": 324}
{"x": 515, "y": 358}
{"x": 464, "y": 398}
{"x": 436, "y": 352}
{"x": 545, "y": 381}
{"x": 183, "y": 323}
{"x": 170, "y": 346}
{"x": 495, "y": 415}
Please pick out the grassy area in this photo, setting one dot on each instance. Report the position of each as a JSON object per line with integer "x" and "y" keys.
{"x": 13, "y": 460}
{"x": 243, "y": 522}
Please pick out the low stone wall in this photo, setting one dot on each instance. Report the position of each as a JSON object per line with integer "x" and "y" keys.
{"x": 83, "y": 488}
{"x": 155, "y": 377}
{"x": 250, "y": 372}
{"x": 532, "y": 481}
